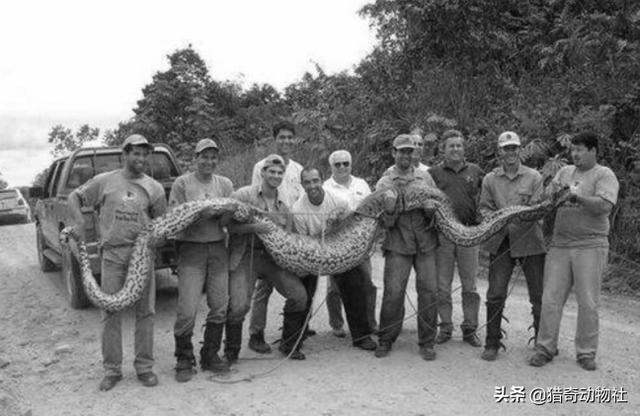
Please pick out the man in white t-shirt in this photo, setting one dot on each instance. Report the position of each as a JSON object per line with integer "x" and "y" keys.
{"x": 310, "y": 214}
{"x": 289, "y": 191}
{"x": 354, "y": 190}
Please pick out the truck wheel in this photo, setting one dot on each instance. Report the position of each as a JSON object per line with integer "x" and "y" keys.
{"x": 46, "y": 265}
{"x": 73, "y": 282}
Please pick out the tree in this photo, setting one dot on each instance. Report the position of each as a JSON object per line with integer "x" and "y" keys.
{"x": 3, "y": 183}
{"x": 65, "y": 141}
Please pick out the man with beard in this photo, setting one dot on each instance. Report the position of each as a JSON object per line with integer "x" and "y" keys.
{"x": 354, "y": 190}
{"x": 126, "y": 200}
{"x": 249, "y": 260}
{"x": 202, "y": 263}
{"x": 578, "y": 253}
{"x": 460, "y": 181}
{"x": 310, "y": 218}
{"x": 519, "y": 242}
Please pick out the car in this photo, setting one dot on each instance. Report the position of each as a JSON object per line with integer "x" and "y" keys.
{"x": 14, "y": 207}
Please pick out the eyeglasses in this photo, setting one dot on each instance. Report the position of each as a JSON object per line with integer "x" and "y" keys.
{"x": 341, "y": 164}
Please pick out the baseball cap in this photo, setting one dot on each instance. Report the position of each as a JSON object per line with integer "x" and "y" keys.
{"x": 273, "y": 160}
{"x": 136, "y": 140}
{"x": 206, "y": 144}
{"x": 404, "y": 141}
{"x": 508, "y": 138}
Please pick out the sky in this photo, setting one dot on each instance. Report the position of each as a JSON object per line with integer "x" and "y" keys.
{"x": 83, "y": 62}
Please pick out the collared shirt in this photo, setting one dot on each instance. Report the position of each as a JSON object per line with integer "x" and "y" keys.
{"x": 310, "y": 219}
{"x": 278, "y": 213}
{"x": 189, "y": 188}
{"x": 575, "y": 226}
{"x": 462, "y": 187}
{"x": 354, "y": 193}
{"x": 290, "y": 189}
{"x": 412, "y": 232}
{"x": 125, "y": 206}
{"x": 500, "y": 190}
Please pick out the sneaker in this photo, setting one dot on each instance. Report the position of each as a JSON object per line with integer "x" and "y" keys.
{"x": 538, "y": 359}
{"x": 587, "y": 363}
{"x": 148, "y": 379}
{"x": 109, "y": 382}
{"x": 472, "y": 339}
{"x": 257, "y": 343}
{"x": 428, "y": 353}
{"x": 443, "y": 336}
{"x": 489, "y": 354}
{"x": 338, "y": 332}
{"x": 383, "y": 349}
{"x": 366, "y": 344}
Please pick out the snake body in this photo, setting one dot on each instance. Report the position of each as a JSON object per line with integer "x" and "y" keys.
{"x": 345, "y": 246}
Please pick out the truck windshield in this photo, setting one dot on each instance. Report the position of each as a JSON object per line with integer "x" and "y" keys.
{"x": 86, "y": 167}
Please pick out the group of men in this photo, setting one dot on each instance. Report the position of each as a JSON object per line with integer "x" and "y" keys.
{"x": 228, "y": 261}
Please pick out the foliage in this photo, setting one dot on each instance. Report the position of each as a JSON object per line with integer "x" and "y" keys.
{"x": 65, "y": 141}
{"x": 3, "y": 183}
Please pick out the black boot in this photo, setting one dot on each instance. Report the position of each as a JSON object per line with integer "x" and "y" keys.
{"x": 258, "y": 344}
{"x": 209, "y": 359}
{"x": 292, "y": 324}
{"x": 186, "y": 361}
{"x": 494, "y": 333}
{"x": 232, "y": 342}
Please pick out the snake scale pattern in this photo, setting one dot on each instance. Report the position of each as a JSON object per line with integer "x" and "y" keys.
{"x": 345, "y": 246}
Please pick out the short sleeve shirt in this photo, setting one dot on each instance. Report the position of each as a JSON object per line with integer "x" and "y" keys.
{"x": 311, "y": 219}
{"x": 462, "y": 187}
{"x": 354, "y": 193}
{"x": 124, "y": 207}
{"x": 412, "y": 232}
{"x": 574, "y": 225}
{"x": 500, "y": 190}
{"x": 290, "y": 189}
{"x": 189, "y": 188}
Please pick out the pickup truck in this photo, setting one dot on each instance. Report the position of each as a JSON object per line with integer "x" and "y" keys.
{"x": 52, "y": 213}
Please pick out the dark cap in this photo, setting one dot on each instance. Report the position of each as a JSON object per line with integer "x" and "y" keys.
{"x": 206, "y": 144}
{"x": 136, "y": 140}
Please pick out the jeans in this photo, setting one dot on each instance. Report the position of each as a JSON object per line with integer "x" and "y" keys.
{"x": 447, "y": 255}
{"x": 396, "y": 274}
{"x": 112, "y": 279}
{"x": 242, "y": 281}
{"x": 201, "y": 265}
{"x": 334, "y": 304}
{"x": 583, "y": 269}
{"x": 260, "y": 305}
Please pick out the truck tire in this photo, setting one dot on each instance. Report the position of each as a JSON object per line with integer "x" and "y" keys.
{"x": 73, "y": 282}
{"x": 46, "y": 265}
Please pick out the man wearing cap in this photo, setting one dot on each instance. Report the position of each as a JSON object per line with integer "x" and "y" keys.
{"x": 353, "y": 190}
{"x": 460, "y": 181}
{"x": 519, "y": 242}
{"x": 411, "y": 240}
{"x": 424, "y": 144}
{"x": 311, "y": 213}
{"x": 202, "y": 263}
{"x": 249, "y": 260}
{"x": 289, "y": 191}
{"x": 578, "y": 252}
{"x": 126, "y": 200}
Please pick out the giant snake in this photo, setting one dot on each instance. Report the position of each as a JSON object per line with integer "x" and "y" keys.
{"x": 348, "y": 243}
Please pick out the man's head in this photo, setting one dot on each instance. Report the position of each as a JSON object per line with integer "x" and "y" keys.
{"x": 418, "y": 140}
{"x": 584, "y": 149}
{"x": 273, "y": 171}
{"x": 311, "y": 180}
{"x": 453, "y": 146}
{"x": 509, "y": 148}
{"x": 340, "y": 162}
{"x": 135, "y": 153}
{"x": 206, "y": 156}
{"x": 403, "y": 150}
{"x": 284, "y": 133}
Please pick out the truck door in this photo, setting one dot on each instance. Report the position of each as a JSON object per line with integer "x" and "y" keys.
{"x": 48, "y": 221}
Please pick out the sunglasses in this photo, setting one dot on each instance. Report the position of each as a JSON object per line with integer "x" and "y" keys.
{"x": 341, "y": 164}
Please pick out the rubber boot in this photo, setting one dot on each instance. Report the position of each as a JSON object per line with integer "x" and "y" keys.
{"x": 292, "y": 324}
{"x": 186, "y": 361}
{"x": 494, "y": 333}
{"x": 209, "y": 358}
{"x": 233, "y": 342}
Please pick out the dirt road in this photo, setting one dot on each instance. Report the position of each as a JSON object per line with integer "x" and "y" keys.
{"x": 50, "y": 362}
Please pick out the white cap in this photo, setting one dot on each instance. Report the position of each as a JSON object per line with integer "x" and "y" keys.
{"x": 508, "y": 138}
